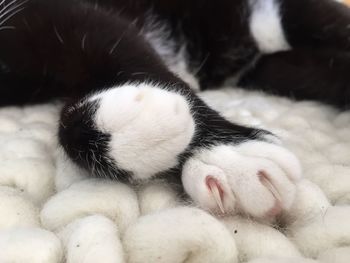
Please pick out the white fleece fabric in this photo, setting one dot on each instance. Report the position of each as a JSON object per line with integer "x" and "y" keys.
{"x": 51, "y": 212}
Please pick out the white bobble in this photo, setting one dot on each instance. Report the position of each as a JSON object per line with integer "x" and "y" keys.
{"x": 310, "y": 202}
{"x": 328, "y": 230}
{"x": 179, "y": 235}
{"x": 156, "y": 196}
{"x": 335, "y": 255}
{"x": 16, "y": 210}
{"x": 333, "y": 179}
{"x": 33, "y": 245}
{"x": 114, "y": 200}
{"x": 256, "y": 240}
{"x": 92, "y": 239}
{"x": 33, "y": 176}
{"x": 283, "y": 260}
{"x": 8, "y": 124}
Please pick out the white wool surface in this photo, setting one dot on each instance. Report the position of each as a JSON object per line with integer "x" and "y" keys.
{"x": 50, "y": 211}
{"x": 91, "y": 196}
{"x": 155, "y": 196}
{"x": 91, "y": 239}
{"x": 21, "y": 244}
{"x": 256, "y": 240}
{"x": 180, "y": 234}
{"x": 337, "y": 255}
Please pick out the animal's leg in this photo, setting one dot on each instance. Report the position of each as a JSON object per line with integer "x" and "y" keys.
{"x": 321, "y": 75}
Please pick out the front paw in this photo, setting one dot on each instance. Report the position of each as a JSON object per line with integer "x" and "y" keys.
{"x": 137, "y": 128}
{"x": 256, "y": 178}
{"x": 149, "y": 127}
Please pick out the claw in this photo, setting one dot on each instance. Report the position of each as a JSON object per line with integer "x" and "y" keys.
{"x": 276, "y": 209}
{"x": 267, "y": 183}
{"x": 216, "y": 191}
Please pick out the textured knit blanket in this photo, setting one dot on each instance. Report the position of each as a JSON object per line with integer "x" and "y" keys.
{"x": 51, "y": 212}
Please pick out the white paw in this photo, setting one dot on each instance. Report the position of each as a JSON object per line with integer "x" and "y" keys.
{"x": 149, "y": 127}
{"x": 255, "y": 178}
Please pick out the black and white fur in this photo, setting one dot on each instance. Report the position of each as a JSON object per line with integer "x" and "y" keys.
{"x": 127, "y": 71}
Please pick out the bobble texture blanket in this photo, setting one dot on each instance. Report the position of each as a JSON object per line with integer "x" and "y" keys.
{"x": 51, "y": 212}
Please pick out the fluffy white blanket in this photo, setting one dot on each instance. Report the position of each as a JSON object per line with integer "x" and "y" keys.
{"x": 50, "y": 212}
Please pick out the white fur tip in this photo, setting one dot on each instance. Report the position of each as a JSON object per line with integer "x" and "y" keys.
{"x": 266, "y": 27}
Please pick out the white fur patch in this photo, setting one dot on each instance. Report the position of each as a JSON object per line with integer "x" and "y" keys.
{"x": 149, "y": 127}
{"x": 158, "y": 35}
{"x": 180, "y": 68}
{"x": 238, "y": 170}
{"x": 265, "y": 26}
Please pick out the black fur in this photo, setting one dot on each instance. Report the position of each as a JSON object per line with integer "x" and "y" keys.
{"x": 68, "y": 49}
